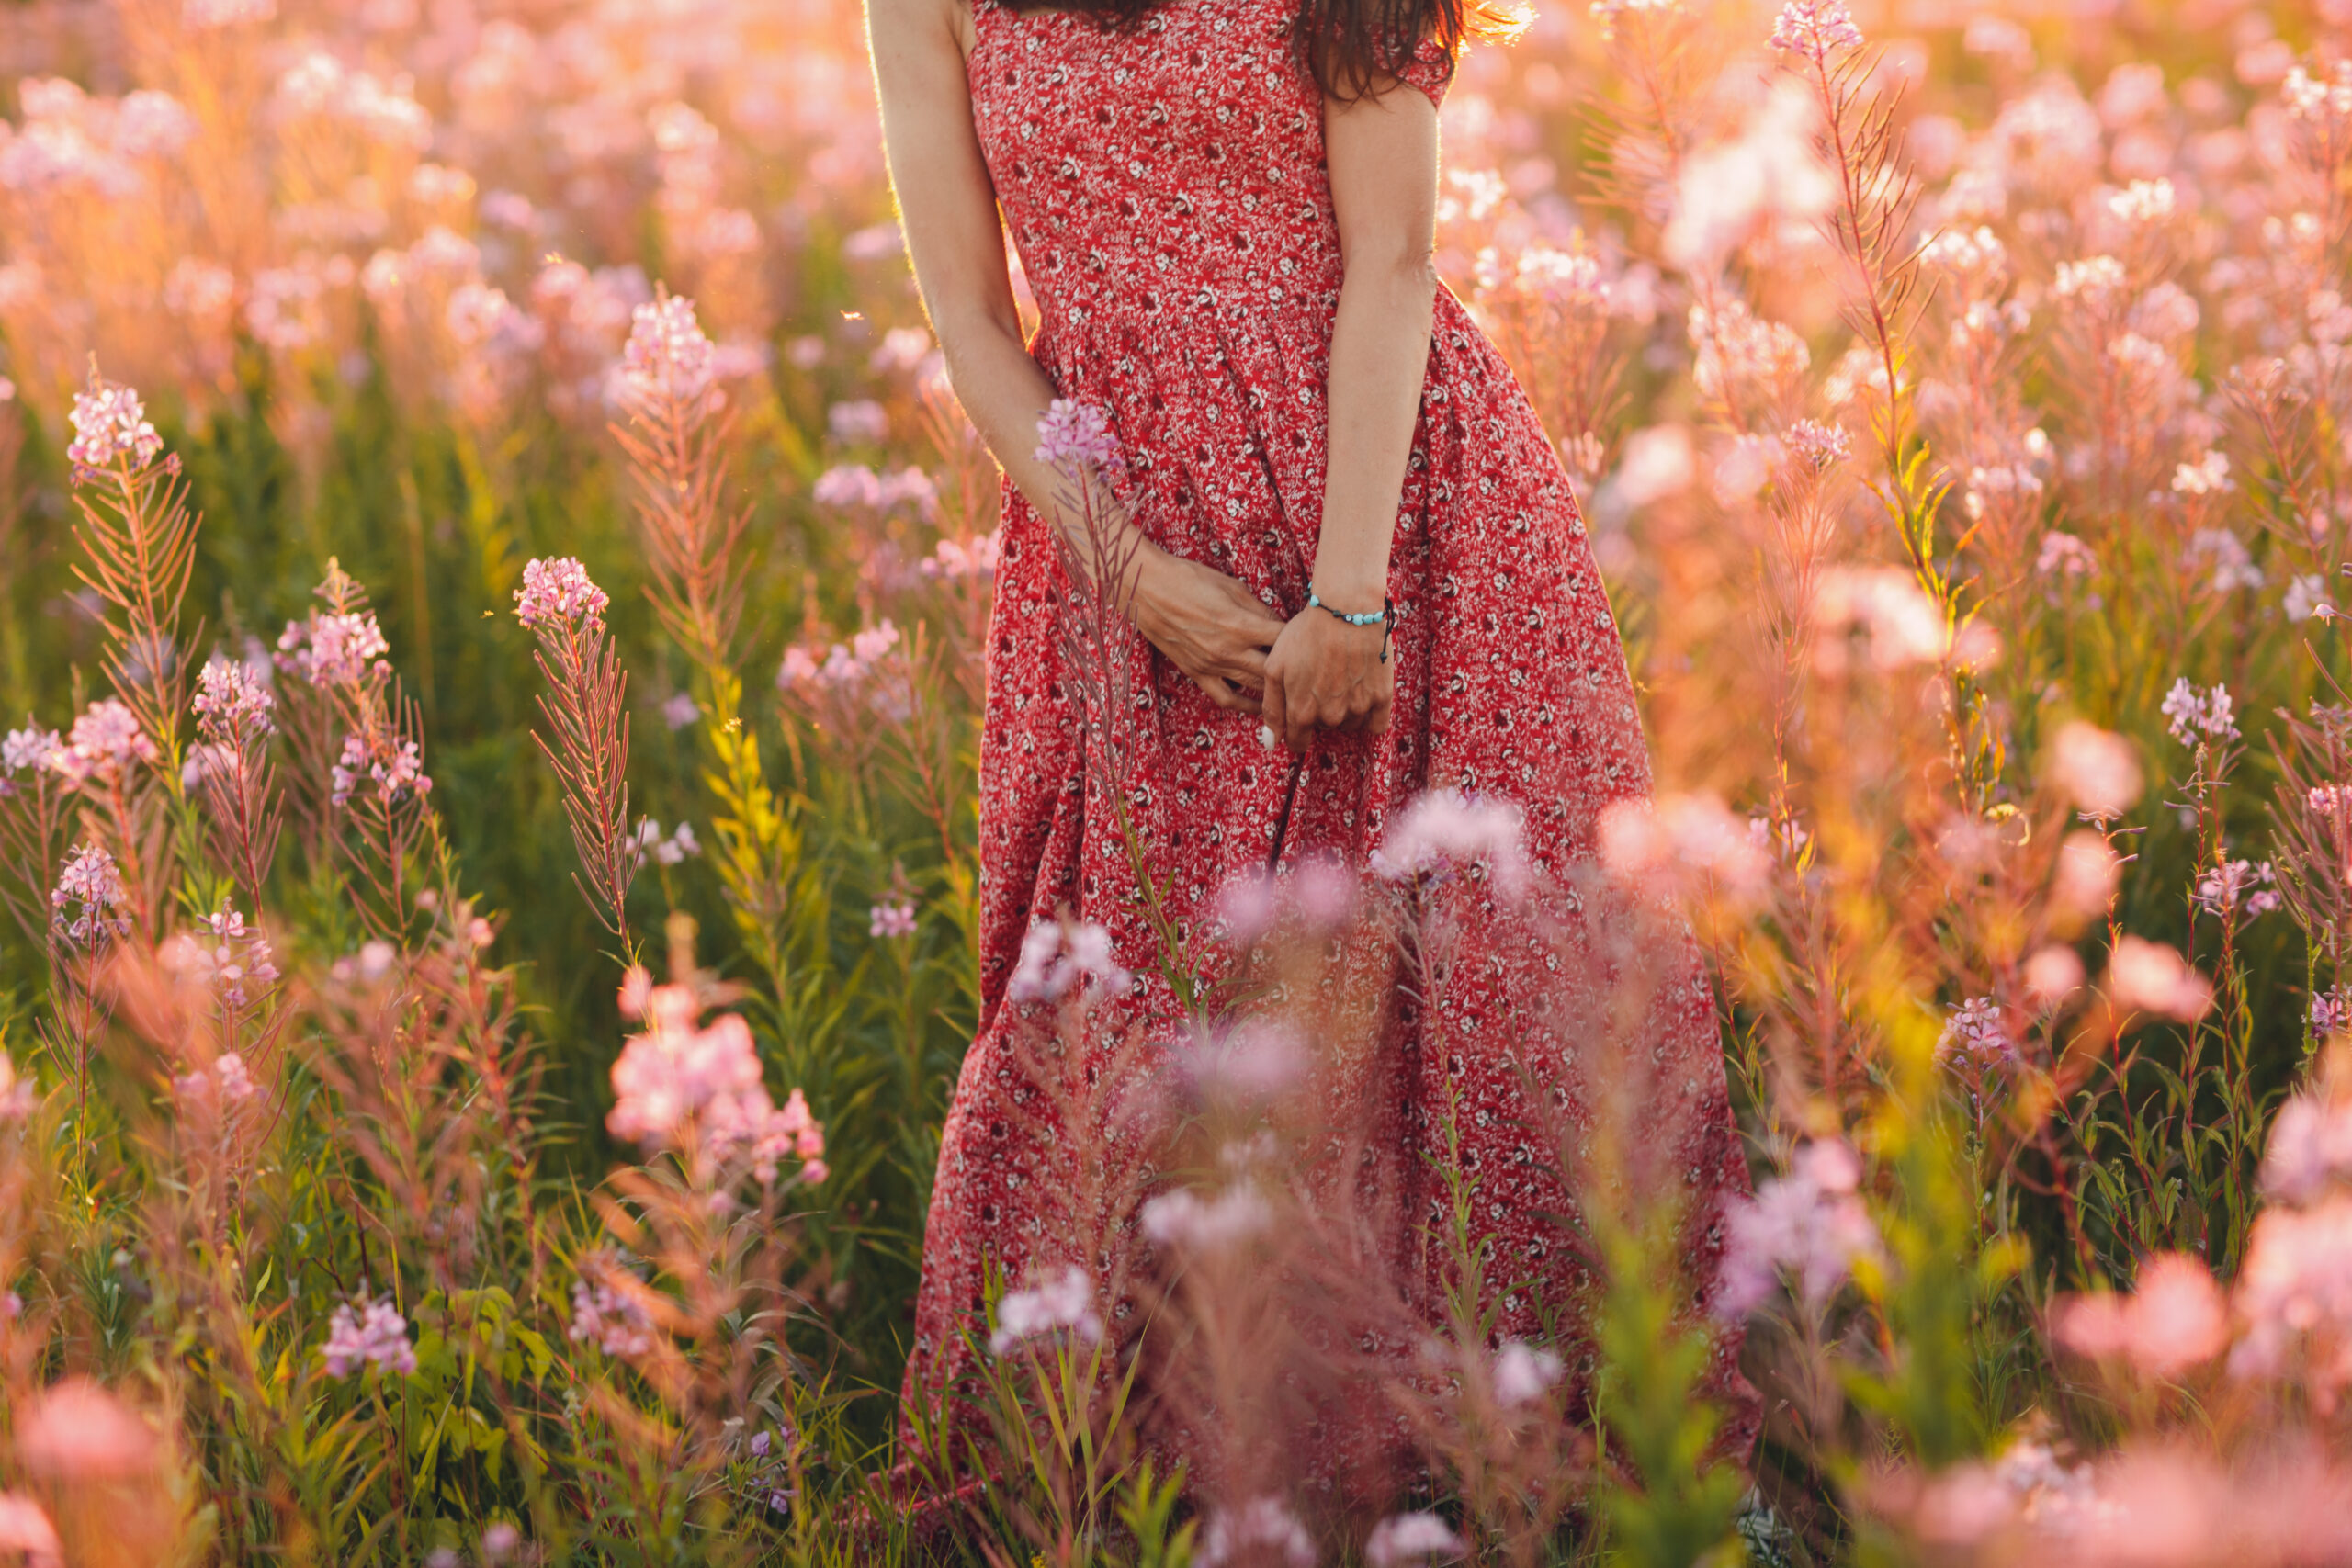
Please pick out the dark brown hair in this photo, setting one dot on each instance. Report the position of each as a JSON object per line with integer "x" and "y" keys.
{"x": 1352, "y": 48}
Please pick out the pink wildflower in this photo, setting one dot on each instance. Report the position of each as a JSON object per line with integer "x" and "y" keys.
{"x": 848, "y": 485}
{"x": 377, "y": 1337}
{"x": 892, "y": 919}
{"x": 1074, "y": 437}
{"x": 2234, "y": 885}
{"x": 227, "y": 955}
{"x": 667, "y": 359}
{"x": 332, "y": 650}
{"x": 2310, "y": 1149}
{"x": 1819, "y": 446}
{"x": 2052, "y": 974}
{"x": 952, "y": 561}
{"x": 1182, "y": 1218}
{"x": 2064, "y": 555}
{"x": 2147, "y": 976}
{"x": 2174, "y": 1320}
{"x": 1685, "y": 845}
{"x": 1811, "y": 1223}
{"x": 88, "y": 904}
{"x": 110, "y": 425}
{"x": 25, "y": 1534}
{"x": 393, "y": 764}
{"x": 1261, "y": 1531}
{"x": 1816, "y": 28}
{"x": 1251, "y": 1061}
{"x": 861, "y": 422}
{"x": 1055, "y": 957}
{"x": 29, "y": 748}
{"x": 1523, "y": 1373}
{"x": 2294, "y": 1290}
{"x": 18, "y": 1095}
{"x": 2096, "y": 770}
{"x": 1061, "y": 1303}
{"x": 680, "y": 1082}
{"x": 1445, "y": 827}
{"x": 232, "y": 704}
{"x": 1403, "y": 1540}
{"x": 77, "y": 1432}
{"x": 2193, "y": 715}
{"x": 609, "y": 1316}
{"x": 104, "y": 741}
{"x": 1978, "y": 1032}
{"x": 2087, "y": 873}
{"x": 558, "y": 589}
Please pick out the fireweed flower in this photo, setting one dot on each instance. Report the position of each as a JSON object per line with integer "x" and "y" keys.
{"x": 1403, "y": 1540}
{"x": 1819, "y": 446}
{"x": 1055, "y": 957}
{"x": 225, "y": 954}
{"x": 1810, "y": 1224}
{"x": 1447, "y": 828}
{"x": 558, "y": 589}
{"x": 2095, "y": 769}
{"x": 1816, "y": 30}
{"x": 1182, "y": 1219}
{"x": 892, "y": 919}
{"x": 952, "y": 561}
{"x": 610, "y": 1318}
{"x": 2311, "y": 1142}
{"x": 667, "y": 359}
{"x": 2148, "y": 976}
{"x": 227, "y": 1082}
{"x": 331, "y": 649}
{"x": 87, "y": 905}
{"x": 2064, "y": 555}
{"x": 2174, "y": 1320}
{"x": 104, "y": 741}
{"x": 1061, "y": 1305}
{"x": 2236, "y": 885}
{"x": 376, "y": 1336}
{"x": 2306, "y": 598}
{"x": 232, "y": 704}
{"x": 1074, "y": 437}
{"x": 1523, "y": 1373}
{"x": 1261, "y": 1531}
{"x": 1684, "y": 845}
{"x": 2295, "y": 1287}
{"x": 109, "y": 425}
{"x": 2192, "y": 716}
{"x": 680, "y": 1082}
{"x": 393, "y": 765}
{"x": 674, "y": 850}
{"x": 29, "y": 749}
{"x": 1977, "y": 1034}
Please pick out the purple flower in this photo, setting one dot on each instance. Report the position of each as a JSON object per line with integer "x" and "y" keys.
{"x": 1182, "y": 1219}
{"x": 2191, "y": 714}
{"x": 232, "y": 704}
{"x": 848, "y": 485}
{"x": 1810, "y": 1223}
{"x": 394, "y": 766}
{"x": 1814, "y": 29}
{"x": 110, "y": 424}
{"x": 1074, "y": 437}
{"x": 680, "y": 710}
{"x": 558, "y": 589}
{"x": 29, "y": 748}
{"x": 1446, "y": 826}
{"x": 1977, "y": 1034}
{"x": 1819, "y": 446}
{"x": 889, "y": 920}
{"x": 377, "y": 1337}
{"x": 1063, "y": 1303}
{"x": 332, "y": 650}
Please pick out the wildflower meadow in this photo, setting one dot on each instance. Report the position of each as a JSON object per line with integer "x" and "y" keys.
{"x": 494, "y": 597}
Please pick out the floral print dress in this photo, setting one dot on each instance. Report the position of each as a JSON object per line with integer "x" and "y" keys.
{"x": 1166, "y": 189}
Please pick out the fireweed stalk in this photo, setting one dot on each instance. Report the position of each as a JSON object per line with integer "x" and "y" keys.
{"x": 585, "y": 707}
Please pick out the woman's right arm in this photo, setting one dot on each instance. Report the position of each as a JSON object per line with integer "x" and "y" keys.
{"x": 1209, "y": 625}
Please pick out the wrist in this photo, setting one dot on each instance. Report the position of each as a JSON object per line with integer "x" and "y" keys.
{"x": 1349, "y": 593}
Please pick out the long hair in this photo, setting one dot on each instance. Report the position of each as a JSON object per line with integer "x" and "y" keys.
{"x": 1352, "y": 48}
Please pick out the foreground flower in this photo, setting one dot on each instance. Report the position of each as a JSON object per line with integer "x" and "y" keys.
{"x": 76, "y": 1431}
{"x": 2095, "y": 769}
{"x": 1405, "y": 1539}
{"x": 889, "y": 920}
{"x": 1056, "y": 957}
{"x": 232, "y": 705}
{"x": 2147, "y": 976}
{"x": 110, "y": 425}
{"x": 25, "y": 1534}
{"x": 608, "y": 1316}
{"x": 106, "y": 740}
{"x": 1684, "y": 845}
{"x": 1524, "y": 1373}
{"x": 1816, "y": 30}
{"x": 1263, "y": 1529}
{"x": 1075, "y": 436}
{"x": 377, "y": 1337}
{"x": 1811, "y": 1223}
{"x": 667, "y": 359}
{"x": 1445, "y": 828}
{"x": 2176, "y": 1319}
{"x": 680, "y": 1083}
{"x": 2294, "y": 1295}
{"x": 1182, "y": 1219}
{"x": 1063, "y": 1303}
{"x": 18, "y": 1095}
{"x": 2311, "y": 1146}
{"x": 226, "y": 955}
{"x": 558, "y": 591}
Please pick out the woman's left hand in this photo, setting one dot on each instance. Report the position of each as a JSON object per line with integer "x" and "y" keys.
{"x": 1325, "y": 674}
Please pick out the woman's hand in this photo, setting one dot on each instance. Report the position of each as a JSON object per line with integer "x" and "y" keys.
{"x": 1210, "y": 626}
{"x": 1325, "y": 674}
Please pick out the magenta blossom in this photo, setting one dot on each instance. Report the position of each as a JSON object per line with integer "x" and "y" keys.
{"x": 1074, "y": 437}
{"x": 332, "y": 651}
{"x": 667, "y": 359}
{"x": 1810, "y": 1223}
{"x": 87, "y": 905}
{"x": 233, "y": 703}
{"x": 1062, "y": 1304}
{"x": 1815, "y": 29}
{"x": 376, "y": 1336}
{"x": 106, "y": 740}
{"x": 110, "y": 425}
{"x": 558, "y": 589}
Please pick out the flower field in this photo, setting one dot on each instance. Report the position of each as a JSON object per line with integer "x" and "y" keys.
{"x": 493, "y": 608}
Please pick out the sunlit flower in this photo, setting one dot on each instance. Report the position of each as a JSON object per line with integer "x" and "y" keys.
{"x": 1978, "y": 1032}
{"x": 88, "y": 906}
{"x": 2310, "y": 1149}
{"x": 2192, "y": 715}
{"x": 1816, "y": 28}
{"x": 558, "y": 589}
{"x": 667, "y": 359}
{"x": 106, "y": 740}
{"x": 1685, "y": 844}
{"x": 2173, "y": 1319}
{"x": 376, "y": 1336}
{"x": 25, "y": 1534}
{"x": 1819, "y": 446}
{"x": 680, "y": 1082}
{"x": 232, "y": 704}
{"x": 111, "y": 426}
{"x": 608, "y": 1315}
{"x": 2086, "y": 876}
{"x": 2147, "y": 976}
{"x": 1076, "y": 436}
{"x": 1444, "y": 827}
{"x": 1062, "y": 1304}
{"x": 332, "y": 650}
{"x": 75, "y": 1431}
{"x": 2294, "y": 1291}
{"x": 2236, "y": 885}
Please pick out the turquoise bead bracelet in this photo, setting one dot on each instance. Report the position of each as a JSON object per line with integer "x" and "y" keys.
{"x": 1383, "y": 617}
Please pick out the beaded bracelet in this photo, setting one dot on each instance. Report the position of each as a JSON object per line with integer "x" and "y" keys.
{"x": 1383, "y": 617}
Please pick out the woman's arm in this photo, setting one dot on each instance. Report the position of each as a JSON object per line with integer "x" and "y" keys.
{"x": 1209, "y": 625}
{"x": 1383, "y": 156}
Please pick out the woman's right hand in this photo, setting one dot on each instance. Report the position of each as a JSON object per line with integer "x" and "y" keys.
{"x": 1208, "y": 624}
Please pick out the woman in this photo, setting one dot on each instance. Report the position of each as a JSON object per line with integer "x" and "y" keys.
{"x": 1354, "y": 532}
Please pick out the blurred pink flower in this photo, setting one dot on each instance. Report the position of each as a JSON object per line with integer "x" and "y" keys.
{"x": 2053, "y": 974}
{"x": 25, "y": 1534}
{"x": 376, "y": 1336}
{"x": 892, "y": 919}
{"x": 393, "y": 763}
{"x": 681, "y": 1082}
{"x": 2093, "y": 769}
{"x": 104, "y": 741}
{"x": 2191, "y": 714}
{"x": 1056, "y": 956}
{"x": 18, "y": 1093}
{"x": 861, "y": 422}
{"x": 1403, "y": 1540}
{"x": 2173, "y": 1319}
{"x": 29, "y": 748}
{"x": 1061, "y": 1303}
{"x": 2147, "y": 976}
{"x": 2294, "y": 1291}
{"x": 1811, "y": 1223}
{"x": 1978, "y": 1032}
{"x": 1182, "y": 1218}
{"x": 1523, "y": 1373}
{"x": 667, "y": 359}
{"x": 1445, "y": 828}
{"x": 608, "y": 1315}
{"x": 1261, "y": 1531}
{"x": 226, "y": 955}
{"x": 2085, "y": 878}
{"x": 1816, "y": 28}
{"x": 1684, "y": 845}
{"x": 109, "y": 426}
{"x": 2310, "y": 1150}
{"x": 75, "y": 1431}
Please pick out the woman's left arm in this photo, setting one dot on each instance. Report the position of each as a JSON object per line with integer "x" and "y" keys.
{"x": 1382, "y": 152}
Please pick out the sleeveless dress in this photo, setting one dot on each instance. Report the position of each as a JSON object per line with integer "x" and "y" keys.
{"x": 1166, "y": 192}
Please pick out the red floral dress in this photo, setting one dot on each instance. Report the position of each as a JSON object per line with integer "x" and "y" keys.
{"x": 1167, "y": 191}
